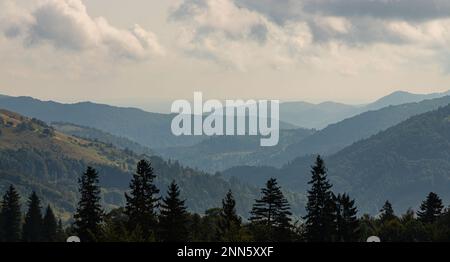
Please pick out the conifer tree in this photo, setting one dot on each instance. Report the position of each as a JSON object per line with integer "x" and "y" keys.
{"x": 347, "y": 224}
{"x": 89, "y": 214}
{"x": 173, "y": 218}
{"x": 11, "y": 215}
{"x": 60, "y": 232}
{"x": 320, "y": 224}
{"x": 32, "y": 228}
{"x": 387, "y": 212}
{"x": 49, "y": 226}
{"x": 273, "y": 212}
{"x": 230, "y": 222}
{"x": 142, "y": 202}
{"x": 430, "y": 209}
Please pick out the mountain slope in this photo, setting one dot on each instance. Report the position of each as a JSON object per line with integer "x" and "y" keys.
{"x": 401, "y": 164}
{"x": 34, "y": 156}
{"x": 149, "y": 129}
{"x": 337, "y": 136}
{"x": 222, "y": 152}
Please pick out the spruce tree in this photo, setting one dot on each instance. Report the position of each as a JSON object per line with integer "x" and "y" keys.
{"x": 273, "y": 212}
{"x": 49, "y": 226}
{"x": 142, "y": 202}
{"x": 347, "y": 224}
{"x": 60, "y": 232}
{"x": 320, "y": 224}
{"x": 89, "y": 214}
{"x": 430, "y": 209}
{"x": 230, "y": 222}
{"x": 387, "y": 212}
{"x": 173, "y": 218}
{"x": 32, "y": 228}
{"x": 11, "y": 215}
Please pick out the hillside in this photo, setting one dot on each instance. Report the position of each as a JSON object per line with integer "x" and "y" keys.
{"x": 98, "y": 135}
{"x": 149, "y": 129}
{"x": 34, "y": 156}
{"x": 401, "y": 164}
{"x": 337, "y": 136}
{"x": 222, "y": 152}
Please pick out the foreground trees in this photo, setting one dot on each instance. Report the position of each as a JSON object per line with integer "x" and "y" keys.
{"x": 146, "y": 217}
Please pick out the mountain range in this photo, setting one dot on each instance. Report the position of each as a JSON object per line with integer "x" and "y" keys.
{"x": 401, "y": 164}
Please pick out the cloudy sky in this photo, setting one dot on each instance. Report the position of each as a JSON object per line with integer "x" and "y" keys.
{"x": 149, "y": 52}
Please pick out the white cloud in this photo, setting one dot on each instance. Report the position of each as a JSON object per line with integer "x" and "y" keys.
{"x": 66, "y": 24}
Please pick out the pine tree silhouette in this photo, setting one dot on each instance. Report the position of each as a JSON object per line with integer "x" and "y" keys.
{"x": 430, "y": 209}
{"x": 320, "y": 222}
{"x": 11, "y": 216}
{"x": 49, "y": 226}
{"x": 89, "y": 214}
{"x": 142, "y": 202}
{"x": 173, "y": 218}
{"x": 273, "y": 212}
{"x": 347, "y": 224}
{"x": 32, "y": 228}
{"x": 230, "y": 222}
{"x": 387, "y": 212}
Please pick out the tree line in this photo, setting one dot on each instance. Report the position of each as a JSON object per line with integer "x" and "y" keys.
{"x": 147, "y": 217}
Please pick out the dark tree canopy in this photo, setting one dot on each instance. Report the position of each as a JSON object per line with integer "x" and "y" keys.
{"x": 320, "y": 217}
{"x": 49, "y": 226}
{"x": 11, "y": 216}
{"x": 347, "y": 224}
{"x": 272, "y": 210}
{"x": 89, "y": 214}
{"x": 387, "y": 212}
{"x": 32, "y": 228}
{"x": 173, "y": 218}
{"x": 141, "y": 202}
{"x": 430, "y": 209}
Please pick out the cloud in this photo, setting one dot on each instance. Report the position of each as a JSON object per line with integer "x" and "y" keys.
{"x": 236, "y": 36}
{"x": 411, "y": 10}
{"x": 336, "y": 35}
{"x": 66, "y": 25}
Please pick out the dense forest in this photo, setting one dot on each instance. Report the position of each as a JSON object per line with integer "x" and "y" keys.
{"x": 150, "y": 215}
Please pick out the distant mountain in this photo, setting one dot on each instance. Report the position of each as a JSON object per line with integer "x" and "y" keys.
{"x": 337, "y": 136}
{"x": 319, "y": 116}
{"x": 149, "y": 129}
{"x": 401, "y": 97}
{"x": 152, "y": 130}
{"x": 222, "y": 152}
{"x": 35, "y": 156}
{"x": 401, "y": 164}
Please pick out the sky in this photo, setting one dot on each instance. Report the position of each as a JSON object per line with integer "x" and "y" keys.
{"x": 148, "y": 53}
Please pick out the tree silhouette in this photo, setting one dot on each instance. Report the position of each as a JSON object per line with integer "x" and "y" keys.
{"x": 230, "y": 222}
{"x": 89, "y": 214}
{"x": 430, "y": 209}
{"x": 11, "y": 215}
{"x": 49, "y": 226}
{"x": 272, "y": 211}
{"x": 347, "y": 224}
{"x": 173, "y": 218}
{"x": 32, "y": 228}
{"x": 142, "y": 202}
{"x": 387, "y": 212}
{"x": 320, "y": 222}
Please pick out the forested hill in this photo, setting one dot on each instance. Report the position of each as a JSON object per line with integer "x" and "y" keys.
{"x": 400, "y": 164}
{"x": 34, "y": 156}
